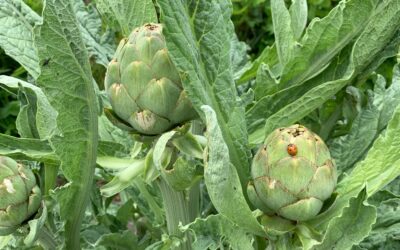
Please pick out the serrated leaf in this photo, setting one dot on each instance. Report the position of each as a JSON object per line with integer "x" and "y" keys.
{"x": 100, "y": 46}
{"x": 27, "y": 149}
{"x": 353, "y": 225}
{"x": 215, "y": 231}
{"x": 66, "y": 80}
{"x": 43, "y": 119}
{"x": 379, "y": 168}
{"x": 268, "y": 105}
{"x": 378, "y": 34}
{"x": 284, "y": 36}
{"x": 36, "y": 227}
{"x": 128, "y": 14}
{"x": 222, "y": 179}
{"x": 239, "y": 57}
{"x": 189, "y": 145}
{"x": 386, "y": 230}
{"x": 298, "y": 14}
{"x": 268, "y": 56}
{"x": 125, "y": 240}
{"x": 325, "y": 38}
{"x": 266, "y": 82}
{"x": 198, "y": 36}
{"x": 16, "y": 34}
{"x": 347, "y": 149}
{"x": 391, "y": 98}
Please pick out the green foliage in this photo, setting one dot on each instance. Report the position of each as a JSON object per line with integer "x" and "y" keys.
{"x": 8, "y": 113}
{"x": 248, "y": 68}
{"x": 253, "y": 20}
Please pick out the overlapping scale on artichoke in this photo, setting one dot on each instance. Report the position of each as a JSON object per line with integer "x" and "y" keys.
{"x": 20, "y": 196}
{"x": 293, "y": 174}
{"x": 144, "y": 86}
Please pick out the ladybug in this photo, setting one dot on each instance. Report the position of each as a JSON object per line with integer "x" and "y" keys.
{"x": 292, "y": 149}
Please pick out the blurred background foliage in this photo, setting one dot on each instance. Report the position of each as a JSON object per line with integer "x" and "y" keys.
{"x": 9, "y": 106}
{"x": 253, "y": 22}
{"x": 36, "y": 5}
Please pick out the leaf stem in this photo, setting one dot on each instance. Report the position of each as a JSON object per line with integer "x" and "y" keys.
{"x": 50, "y": 173}
{"x": 194, "y": 201}
{"x": 176, "y": 211}
{"x": 46, "y": 239}
{"x": 194, "y": 193}
{"x": 158, "y": 213}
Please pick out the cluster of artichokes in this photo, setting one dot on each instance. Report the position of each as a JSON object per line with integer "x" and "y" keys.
{"x": 144, "y": 86}
{"x": 293, "y": 174}
{"x": 20, "y": 197}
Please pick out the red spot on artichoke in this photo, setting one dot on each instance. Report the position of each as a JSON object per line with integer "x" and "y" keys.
{"x": 292, "y": 149}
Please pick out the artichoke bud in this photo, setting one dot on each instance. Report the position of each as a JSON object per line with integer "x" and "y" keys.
{"x": 143, "y": 85}
{"x": 20, "y": 196}
{"x": 293, "y": 173}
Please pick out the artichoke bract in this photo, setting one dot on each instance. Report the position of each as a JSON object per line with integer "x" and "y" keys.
{"x": 293, "y": 174}
{"x": 20, "y": 197}
{"x": 143, "y": 85}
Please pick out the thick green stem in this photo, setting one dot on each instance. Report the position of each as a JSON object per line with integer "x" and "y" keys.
{"x": 194, "y": 201}
{"x": 50, "y": 172}
{"x": 158, "y": 213}
{"x": 194, "y": 194}
{"x": 176, "y": 211}
{"x": 46, "y": 239}
{"x": 281, "y": 243}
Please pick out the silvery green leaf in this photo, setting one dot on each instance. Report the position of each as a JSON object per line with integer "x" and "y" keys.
{"x": 284, "y": 36}
{"x": 198, "y": 36}
{"x": 16, "y": 34}
{"x": 215, "y": 230}
{"x": 37, "y": 117}
{"x": 298, "y": 14}
{"x": 352, "y": 226}
{"x": 222, "y": 180}
{"x": 66, "y": 80}
{"x": 127, "y": 14}
{"x": 100, "y": 46}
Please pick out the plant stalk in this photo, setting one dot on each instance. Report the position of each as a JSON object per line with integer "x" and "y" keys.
{"x": 176, "y": 211}
{"x": 194, "y": 193}
{"x": 194, "y": 201}
{"x": 50, "y": 172}
{"x": 46, "y": 239}
{"x": 158, "y": 213}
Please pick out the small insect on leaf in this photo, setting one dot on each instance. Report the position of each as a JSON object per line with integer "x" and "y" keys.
{"x": 46, "y": 62}
{"x": 292, "y": 149}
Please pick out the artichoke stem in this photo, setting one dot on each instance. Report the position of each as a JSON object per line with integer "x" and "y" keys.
{"x": 176, "y": 211}
{"x": 194, "y": 194}
{"x": 194, "y": 201}
{"x": 46, "y": 239}
{"x": 50, "y": 172}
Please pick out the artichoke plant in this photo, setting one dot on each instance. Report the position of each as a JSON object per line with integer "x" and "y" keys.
{"x": 143, "y": 85}
{"x": 293, "y": 174}
{"x": 20, "y": 197}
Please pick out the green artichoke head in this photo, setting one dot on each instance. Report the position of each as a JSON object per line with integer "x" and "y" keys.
{"x": 292, "y": 174}
{"x": 20, "y": 197}
{"x": 144, "y": 86}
